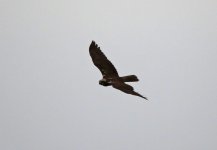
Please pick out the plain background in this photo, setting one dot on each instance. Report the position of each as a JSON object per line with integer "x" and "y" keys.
{"x": 50, "y": 98}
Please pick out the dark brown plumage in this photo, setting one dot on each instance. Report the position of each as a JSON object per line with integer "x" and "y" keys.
{"x": 109, "y": 72}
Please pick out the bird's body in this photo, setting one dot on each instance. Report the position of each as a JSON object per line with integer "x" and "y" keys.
{"x": 107, "y": 81}
{"x": 109, "y": 72}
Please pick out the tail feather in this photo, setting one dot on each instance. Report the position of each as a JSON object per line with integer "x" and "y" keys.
{"x": 130, "y": 78}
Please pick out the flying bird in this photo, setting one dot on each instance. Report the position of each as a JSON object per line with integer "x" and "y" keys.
{"x": 109, "y": 72}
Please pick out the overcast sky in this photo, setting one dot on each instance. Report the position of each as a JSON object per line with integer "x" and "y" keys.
{"x": 50, "y": 98}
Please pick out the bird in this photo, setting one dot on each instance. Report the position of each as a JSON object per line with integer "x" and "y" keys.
{"x": 109, "y": 73}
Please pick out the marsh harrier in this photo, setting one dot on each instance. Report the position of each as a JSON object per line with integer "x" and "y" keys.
{"x": 110, "y": 74}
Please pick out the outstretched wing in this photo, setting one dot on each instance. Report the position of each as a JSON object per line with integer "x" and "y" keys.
{"x": 125, "y": 88}
{"x": 101, "y": 62}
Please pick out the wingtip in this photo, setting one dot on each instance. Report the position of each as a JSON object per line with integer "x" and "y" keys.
{"x": 137, "y": 94}
{"x": 145, "y": 98}
{"x": 93, "y": 44}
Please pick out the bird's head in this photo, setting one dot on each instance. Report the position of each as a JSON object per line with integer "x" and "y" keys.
{"x": 104, "y": 82}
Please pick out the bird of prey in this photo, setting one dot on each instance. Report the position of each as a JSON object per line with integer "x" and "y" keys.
{"x": 110, "y": 74}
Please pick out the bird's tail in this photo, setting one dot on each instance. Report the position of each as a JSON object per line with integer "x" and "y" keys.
{"x": 130, "y": 78}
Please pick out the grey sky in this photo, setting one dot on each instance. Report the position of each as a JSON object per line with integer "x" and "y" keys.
{"x": 50, "y": 98}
